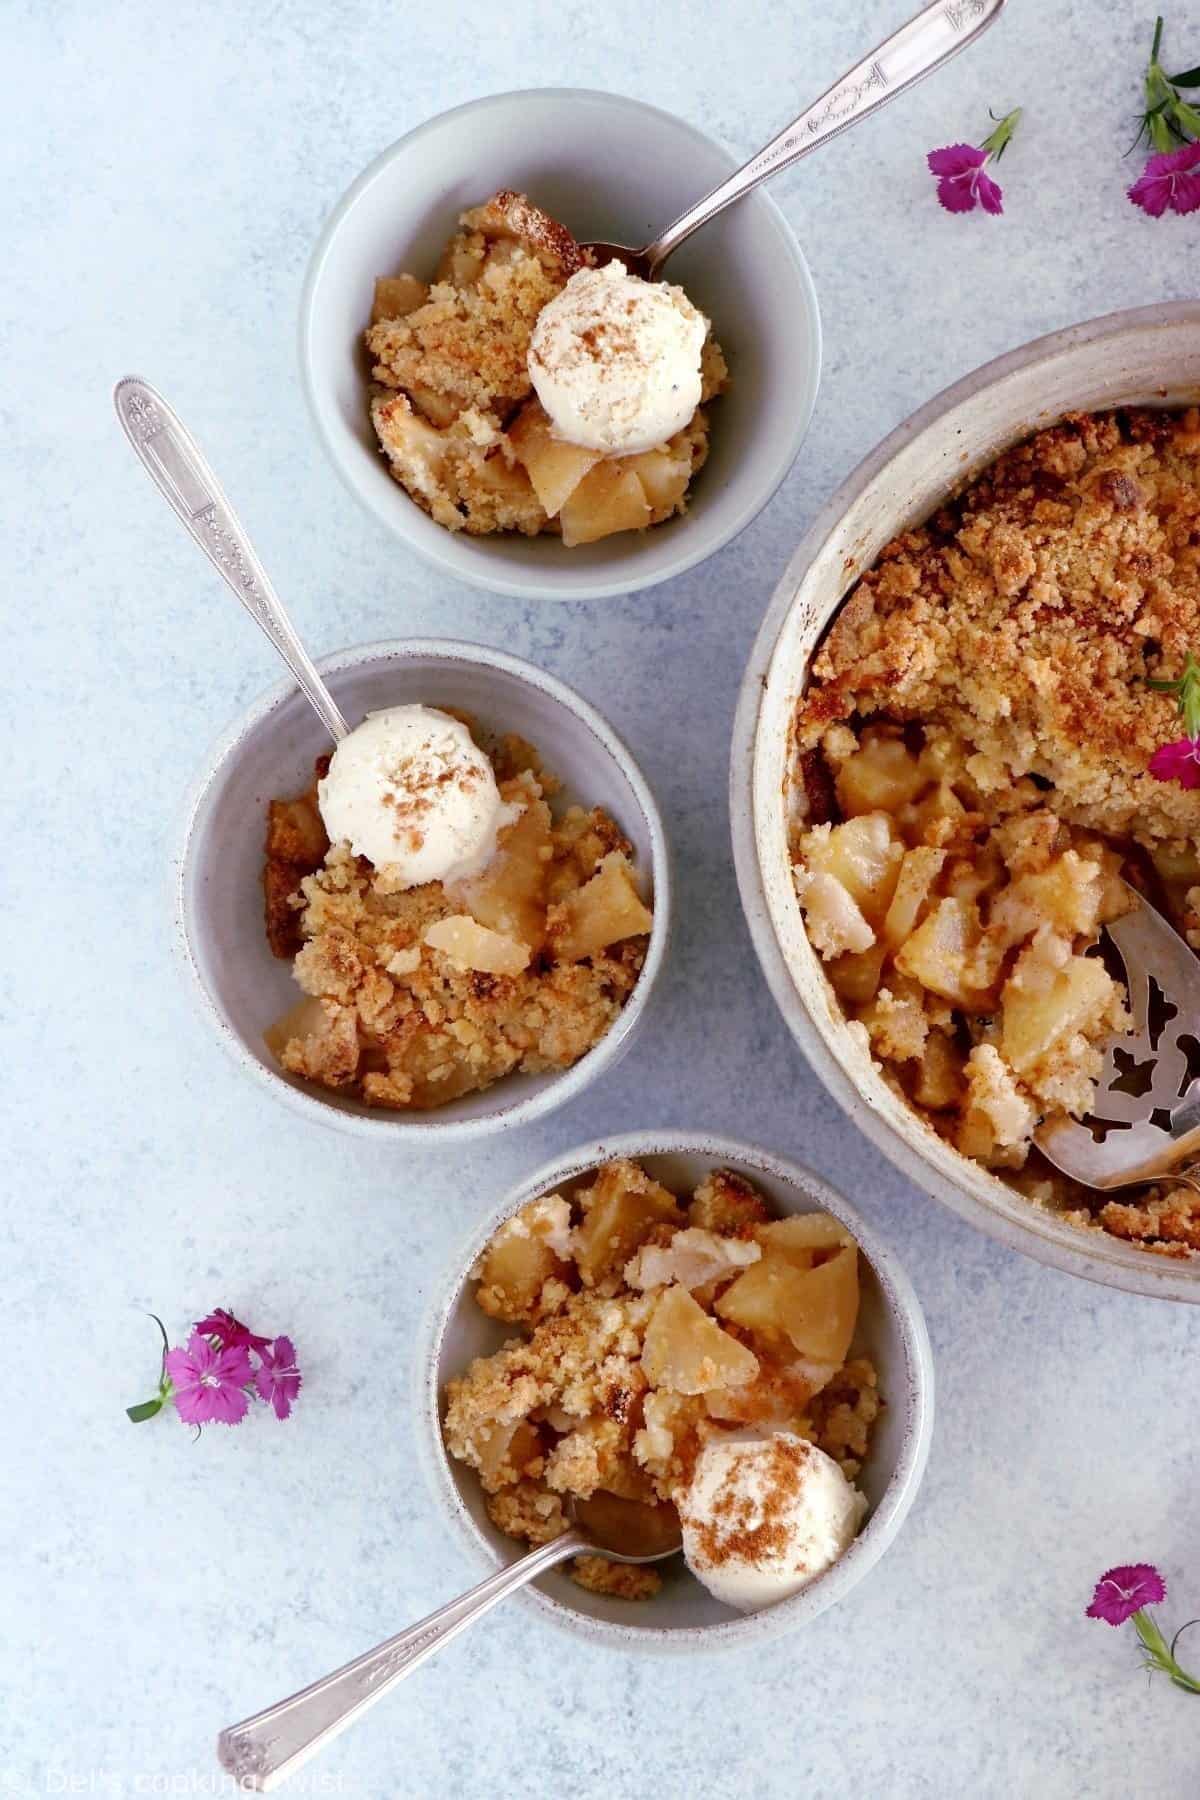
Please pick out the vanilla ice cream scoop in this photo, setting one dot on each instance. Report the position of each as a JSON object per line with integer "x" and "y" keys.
{"x": 615, "y": 360}
{"x": 411, "y": 790}
{"x": 764, "y": 1516}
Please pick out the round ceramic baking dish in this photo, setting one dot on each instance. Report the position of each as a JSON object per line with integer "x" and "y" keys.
{"x": 1145, "y": 356}
{"x": 684, "y": 1617}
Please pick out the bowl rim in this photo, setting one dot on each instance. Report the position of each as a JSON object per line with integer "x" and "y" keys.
{"x": 441, "y": 555}
{"x": 1061, "y": 1246}
{"x": 424, "y": 1127}
{"x": 914, "y": 1381}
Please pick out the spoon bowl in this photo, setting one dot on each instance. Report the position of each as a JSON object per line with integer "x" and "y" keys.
{"x": 628, "y": 1531}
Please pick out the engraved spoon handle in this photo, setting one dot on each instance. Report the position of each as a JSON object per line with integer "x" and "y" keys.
{"x": 924, "y": 44}
{"x": 177, "y": 467}
{"x": 264, "y": 1750}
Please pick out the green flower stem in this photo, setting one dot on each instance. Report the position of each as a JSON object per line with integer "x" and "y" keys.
{"x": 1186, "y": 689}
{"x": 150, "y": 1409}
{"x": 1168, "y": 120}
{"x": 1160, "y": 1654}
{"x": 997, "y": 141}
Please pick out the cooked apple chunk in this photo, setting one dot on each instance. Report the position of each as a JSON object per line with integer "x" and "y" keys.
{"x": 881, "y": 777}
{"x": 1041, "y": 1012}
{"x": 509, "y": 895}
{"x": 801, "y": 1234}
{"x": 664, "y": 478}
{"x": 396, "y": 296}
{"x": 863, "y": 855}
{"x": 554, "y": 467}
{"x": 526, "y": 1253}
{"x": 694, "y": 1258}
{"x": 609, "y": 498}
{"x": 816, "y": 1308}
{"x": 470, "y": 945}
{"x": 604, "y": 911}
{"x": 620, "y": 1209}
{"x": 945, "y": 954}
{"x": 687, "y": 1351}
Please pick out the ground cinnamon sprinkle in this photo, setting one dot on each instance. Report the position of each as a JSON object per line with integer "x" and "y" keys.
{"x": 747, "y": 1533}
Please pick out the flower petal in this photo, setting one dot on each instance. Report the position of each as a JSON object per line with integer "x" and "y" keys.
{"x": 1179, "y": 762}
{"x": 227, "y": 1405}
{"x": 1152, "y": 189}
{"x": 232, "y": 1367}
{"x": 228, "y": 1330}
{"x": 181, "y": 1370}
{"x": 194, "y": 1405}
{"x": 1185, "y": 195}
{"x": 990, "y": 197}
{"x": 956, "y": 159}
{"x": 957, "y": 193}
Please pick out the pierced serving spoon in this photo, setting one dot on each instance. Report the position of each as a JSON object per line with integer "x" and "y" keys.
{"x": 916, "y": 50}
{"x": 1145, "y": 1121}
{"x": 264, "y": 1750}
{"x": 178, "y": 468}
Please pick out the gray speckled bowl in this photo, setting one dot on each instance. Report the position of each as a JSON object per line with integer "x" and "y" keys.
{"x": 684, "y": 1616}
{"x": 1146, "y": 356}
{"x": 609, "y": 168}
{"x": 217, "y": 870}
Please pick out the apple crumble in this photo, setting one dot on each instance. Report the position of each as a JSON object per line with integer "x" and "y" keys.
{"x": 454, "y": 406}
{"x": 422, "y": 993}
{"x": 970, "y": 785}
{"x": 654, "y": 1325}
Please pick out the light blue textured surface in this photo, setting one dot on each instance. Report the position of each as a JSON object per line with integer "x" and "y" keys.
{"x": 169, "y": 170}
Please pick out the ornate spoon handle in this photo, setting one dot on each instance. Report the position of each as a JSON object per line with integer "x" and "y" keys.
{"x": 924, "y": 44}
{"x": 264, "y": 1750}
{"x": 177, "y": 467}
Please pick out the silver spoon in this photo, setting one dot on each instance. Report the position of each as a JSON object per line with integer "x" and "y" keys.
{"x": 264, "y": 1750}
{"x": 177, "y": 467}
{"x": 916, "y": 50}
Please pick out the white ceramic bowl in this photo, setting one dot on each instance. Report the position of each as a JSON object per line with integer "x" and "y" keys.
{"x": 611, "y": 169}
{"x": 217, "y": 873}
{"x": 684, "y": 1617}
{"x": 1146, "y": 356}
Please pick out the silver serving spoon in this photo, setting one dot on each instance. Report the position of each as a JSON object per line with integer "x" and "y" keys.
{"x": 264, "y": 1750}
{"x": 1145, "y": 1122}
{"x": 916, "y": 50}
{"x": 177, "y": 467}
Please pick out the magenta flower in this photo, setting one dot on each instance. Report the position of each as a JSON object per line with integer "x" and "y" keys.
{"x": 229, "y": 1333}
{"x": 1169, "y": 180}
{"x": 1179, "y": 762}
{"x": 962, "y": 181}
{"x": 962, "y": 184}
{"x": 278, "y": 1379}
{"x": 209, "y": 1385}
{"x": 1125, "y": 1590}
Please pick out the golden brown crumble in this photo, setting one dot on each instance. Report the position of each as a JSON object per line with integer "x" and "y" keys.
{"x": 419, "y": 996}
{"x": 653, "y": 1322}
{"x": 970, "y": 778}
{"x": 454, "y": 408}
